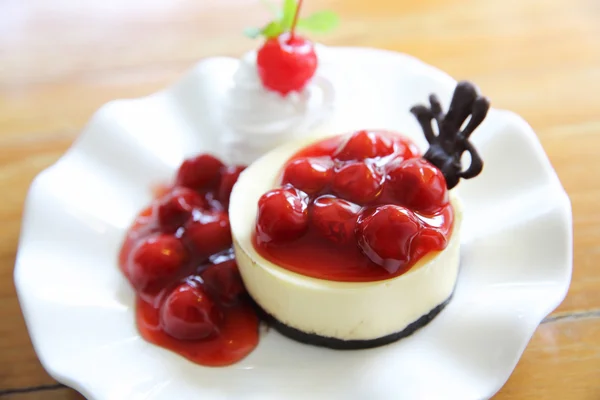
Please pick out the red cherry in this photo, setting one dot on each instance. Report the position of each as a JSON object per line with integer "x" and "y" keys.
{"x": 334, "y": 218}
{"x": 229, "y": 176}
{"x": 358, "y": 182}
{"x": 282, "y": 215}
{"x": 386, "y": 235}
{"x": 286, "y": 63}
{"x": 429, "y": 239}
{"x": 199, "y": 173}
{"x": 155, "y": 262}
{"x": 223, "y": 282}
{"x": 310, "y": 174}
{"x": 364, "y": 144}
{"x": 404, "y": 147}
{"x": 175, "y": 208}
{"x": 417, "y": 184}
{"x": 189, "y": 314}
{"x": 208, "y": 233}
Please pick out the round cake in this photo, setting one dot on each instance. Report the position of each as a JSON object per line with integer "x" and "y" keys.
{"x": 333, "y": 313}
{"x": 353, "y": 241}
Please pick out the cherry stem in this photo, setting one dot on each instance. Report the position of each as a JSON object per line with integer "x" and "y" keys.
{"x": 293, "y": 30}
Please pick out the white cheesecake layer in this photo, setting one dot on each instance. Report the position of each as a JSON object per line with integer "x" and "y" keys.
{"x": 342, "y": 310}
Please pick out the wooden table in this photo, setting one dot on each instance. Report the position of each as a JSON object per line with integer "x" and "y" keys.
{"x": 60, "y": 60}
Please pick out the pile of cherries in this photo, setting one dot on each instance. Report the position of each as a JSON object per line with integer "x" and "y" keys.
{"x": 370, "y": 190}
{"x": 178, "y": 257}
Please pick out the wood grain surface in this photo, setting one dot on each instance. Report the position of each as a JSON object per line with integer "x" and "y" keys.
{"x": 62, "y": 59}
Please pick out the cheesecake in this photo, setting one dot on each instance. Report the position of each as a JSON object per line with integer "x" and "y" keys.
{"x": 336, "y": 313}
{"x": 353, "y": 241}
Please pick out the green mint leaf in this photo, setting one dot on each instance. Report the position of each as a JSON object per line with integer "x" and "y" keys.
{"x": 289, "y": 11}
{"x": 319, "y": 22}
{"x": 272, "y": 30}
{"x": 252, "y": 33}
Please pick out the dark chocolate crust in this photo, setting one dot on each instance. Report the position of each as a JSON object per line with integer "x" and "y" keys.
{"x": 339, "y": 344}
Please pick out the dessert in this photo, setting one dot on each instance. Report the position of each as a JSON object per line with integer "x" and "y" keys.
{"x": 346, "y": 241}
{"x": 353, "y": 241}
{"x": 279, "y": 92}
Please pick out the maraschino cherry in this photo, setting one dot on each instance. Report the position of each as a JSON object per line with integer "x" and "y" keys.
{"x": 288, "y": 61}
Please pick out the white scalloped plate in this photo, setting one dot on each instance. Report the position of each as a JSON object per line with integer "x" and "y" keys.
{"x": 516, "y": 251}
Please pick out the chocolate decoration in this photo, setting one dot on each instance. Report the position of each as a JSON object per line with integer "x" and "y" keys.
{"x": 339, "y": 344}
{"x": 447, "y": 146}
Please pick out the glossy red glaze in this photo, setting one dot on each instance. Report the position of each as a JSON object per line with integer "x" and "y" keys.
{"x": 154, "y": 259}
{"x": 188, "y": 313}
{"x": 223, "y": 282}
{"x": 334, "y": 218}
{"x": 360, "y": 182}
{"x": 389, "y": 235}
{"x": 383, "y": 210}
{"x": 364, "y": 144}
{"x": 416, "y": 184}
{"x": 282, "y": 215}
{"x": 229, "y": 176}
{"x": 175, "y": 207}
{"x": 309, "y": 174}
{"x": 178, "y": 257}
{"x": 237, "y": 337}
{"x": 286, "y": 64}
{"x": 202, "y": 173}
{"x": 207, "y": 232}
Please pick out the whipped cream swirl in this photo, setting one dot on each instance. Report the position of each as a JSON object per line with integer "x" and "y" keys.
{"x": 259, "y": 120}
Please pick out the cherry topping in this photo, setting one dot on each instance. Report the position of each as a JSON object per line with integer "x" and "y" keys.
{"x": 189, "y": 314}
{"x": 229, "y": 177}
{"x": 309, "y": 174}
{"x": 282, "y": 215}
{"x": 175, "y": 208}
{"x": 364, "y": 144}
{"x": 183, "y": 241}
{"x": 208, "y": 232}
{"x": 358, "y": 182}
{"x": 334, "y": 218}
{"x": 154, "y": 260}
{"x": 417, "y": 184}
{"x": 223, "y": 282}
{"x": 199, "y": 173}
{"x": 429, "y": 239}
{"x": 386, "y": 235}
{"x": 366, "y": 175}
{"x": 406, "y": 149}
{"x": 286, "y": 63}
